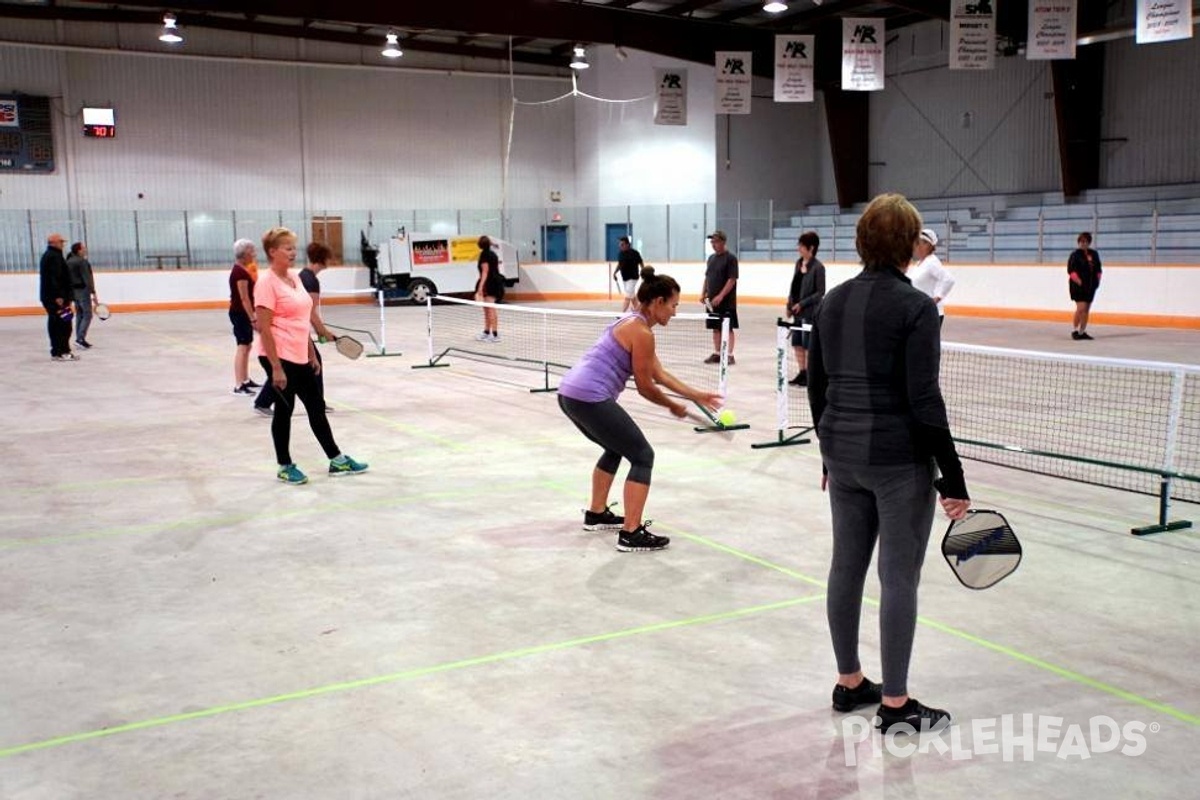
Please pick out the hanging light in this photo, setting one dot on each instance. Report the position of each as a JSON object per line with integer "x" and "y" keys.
{"x": 391, "y": 47}
{"x": 579, "y": 58}
{"x": 170, "y": 30}
{"x": 774, "y": 7}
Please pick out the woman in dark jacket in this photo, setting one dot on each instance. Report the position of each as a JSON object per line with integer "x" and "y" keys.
{"x": 804, "y": 298}
{"x": 873, "y": 365}
{"x": 1083, "y": 271}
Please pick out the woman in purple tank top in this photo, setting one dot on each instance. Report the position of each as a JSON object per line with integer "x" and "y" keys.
{"x": 588, "y": 396}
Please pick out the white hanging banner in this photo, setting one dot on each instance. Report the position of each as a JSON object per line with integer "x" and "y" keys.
{"x": 972, "y": 35}
{"x": 1052, "y": 29}
{"x": 862, "y": 54}
{"x": 794, "y": 69}
{"x": 1163, "y": 20}
{"x": 734, "y": 81}
{"x": 670, "y": 96}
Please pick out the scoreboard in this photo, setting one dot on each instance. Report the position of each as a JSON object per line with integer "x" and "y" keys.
{"x": 26, "y": 136}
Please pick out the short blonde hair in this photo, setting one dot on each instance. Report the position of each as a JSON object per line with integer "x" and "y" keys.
{"x": 274, "y": 237}
{"x": 887, "y": 231}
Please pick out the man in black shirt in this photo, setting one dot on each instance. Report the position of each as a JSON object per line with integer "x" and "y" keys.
{"x": 56, "y": 296}
{"x": 720, "y": 292}
{"x": 629, "y": 267}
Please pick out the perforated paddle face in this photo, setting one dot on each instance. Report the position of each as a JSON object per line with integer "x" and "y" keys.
{"x": 349, "y": 347}
{"x": 102, "y": 312}
{"x": 982, "y": 549}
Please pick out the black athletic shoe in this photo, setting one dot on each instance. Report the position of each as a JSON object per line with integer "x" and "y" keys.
{"x": 801, "y": 379}
{"x": 604, "y": 520}
{"x": 252, "y": 384}
{"x": 1076, "y": 335}
{"x": 1084, "y": 336}
{"x": 641, "y": 540}
{"x": 865, "y": 694}
{"x": 912, "y": 717}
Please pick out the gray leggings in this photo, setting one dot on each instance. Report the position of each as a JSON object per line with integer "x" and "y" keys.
{"x": 894, "y": 504}
{"x": 611, "y": 427}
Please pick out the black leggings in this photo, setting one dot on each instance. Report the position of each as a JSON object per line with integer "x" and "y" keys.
{"x": 611, "y": 427}
{"x": 301, "y": 382}
{"x": 266, "y": 395}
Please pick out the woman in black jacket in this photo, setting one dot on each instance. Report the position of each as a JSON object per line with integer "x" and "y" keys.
{"x": 1083, "y": 271}
{"x": 804, "y": 298}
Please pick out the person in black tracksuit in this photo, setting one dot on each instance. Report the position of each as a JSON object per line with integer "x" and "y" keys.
{"x": 56, "y": 294}
{"x": 873, "y": 364}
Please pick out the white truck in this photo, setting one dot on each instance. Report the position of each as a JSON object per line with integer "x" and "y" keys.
{"x": 415, "y": 266}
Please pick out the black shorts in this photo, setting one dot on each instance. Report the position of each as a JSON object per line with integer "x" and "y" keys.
{"x": 1082, "y": 294}
{"x": 713, "y": 323}
{"x": 801, "y": 338}
{"x": 243, "y": 331}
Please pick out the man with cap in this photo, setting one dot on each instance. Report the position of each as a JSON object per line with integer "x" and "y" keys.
{"x": 928, "y": 274}
{"x": 720, "y": 293}
{"x": 55, "y": 294}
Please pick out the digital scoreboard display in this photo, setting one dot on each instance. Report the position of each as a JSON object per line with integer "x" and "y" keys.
{"x": 100, "y": 123}
{"x": 26, "y": 137}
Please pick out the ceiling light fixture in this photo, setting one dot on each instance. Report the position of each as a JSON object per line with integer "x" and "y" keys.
{"x": 170, "y": 30}
{"x": 579, "y": 58}
{"x": 391, "y": 47}
{"x": 774, "y": 7}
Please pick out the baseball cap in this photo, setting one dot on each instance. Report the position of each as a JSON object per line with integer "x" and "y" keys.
{"x": 718, "y": 234}
{"x": 928, "y": 235}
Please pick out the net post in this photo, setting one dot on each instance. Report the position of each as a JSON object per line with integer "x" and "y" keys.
{"x": 1164, "y": 511}
{"x": 433, "y": 362}
{"x": 783, "y": 330}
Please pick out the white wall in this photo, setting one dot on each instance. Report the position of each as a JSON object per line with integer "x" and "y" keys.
{"x": 199, "y": 134}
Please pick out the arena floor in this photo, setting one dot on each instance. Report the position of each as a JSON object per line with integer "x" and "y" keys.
{"x": 178, "y": 624}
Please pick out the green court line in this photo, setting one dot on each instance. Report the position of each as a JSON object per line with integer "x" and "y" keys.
{"x": 275, "y": 514}
{"x": 1062, "y": 672}
{"x": 405, "y": 675}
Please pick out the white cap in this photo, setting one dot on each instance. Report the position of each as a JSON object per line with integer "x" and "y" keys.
{"x": 928, "y": 235}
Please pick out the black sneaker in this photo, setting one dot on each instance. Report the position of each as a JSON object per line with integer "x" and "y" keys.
{"x": 604, "y": 520}
{"x": 83, "y": 344}
{"x": 1076, "y": 335}
{"x": 641, "y": 540}
{"x": 713, "y": 359}
{"x": 1084, "y": 336}
{"x": 252, "y": 384}
{"x": 912, "y": 717}
{"x": 865, "y": 694}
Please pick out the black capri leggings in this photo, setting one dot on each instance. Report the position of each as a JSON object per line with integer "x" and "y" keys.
{"x": 611, "y": 427}
{"x": 302, "y": 382}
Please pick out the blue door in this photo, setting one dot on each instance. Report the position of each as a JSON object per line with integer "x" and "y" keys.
{"x": 613, "y": 231}
{"x": 554, "y": 242}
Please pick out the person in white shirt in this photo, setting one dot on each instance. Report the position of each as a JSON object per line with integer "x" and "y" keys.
{"x": 928, "y": 274}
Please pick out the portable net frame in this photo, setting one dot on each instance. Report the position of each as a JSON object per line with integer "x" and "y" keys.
{"x": 1123, "y": 424}
{"x": 359, "y": 313}
{"x": 793, "y": 418}
{"x": 1118, "y": 423}
{"x": 549, "y": 341}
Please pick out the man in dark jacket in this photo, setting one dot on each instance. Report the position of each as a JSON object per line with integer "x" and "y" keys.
{"x": 56, "y": 298}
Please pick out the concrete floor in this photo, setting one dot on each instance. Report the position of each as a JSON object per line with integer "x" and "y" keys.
{"x": 177, "y": 624}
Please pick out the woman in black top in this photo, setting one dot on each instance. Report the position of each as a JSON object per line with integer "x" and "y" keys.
{"x": 804, "y": 298}
{"x": 873, "y": 364}
{"x": 489, "y": 289}
{"x": 1083, "y": 270}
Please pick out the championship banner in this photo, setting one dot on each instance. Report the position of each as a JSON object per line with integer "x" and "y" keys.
{"x": 794, "y": 69}
{"x": 670, "y": 96}
{"x": 862, "y": 54}
{"x": 1052, "y": 28}
{"x": 972, "y": 35}
{"x": 1163, "y": 20}
{"x": 734, "y": 80}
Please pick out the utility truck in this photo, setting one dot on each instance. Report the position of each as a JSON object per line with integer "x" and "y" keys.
{"x": 416, "y": 266}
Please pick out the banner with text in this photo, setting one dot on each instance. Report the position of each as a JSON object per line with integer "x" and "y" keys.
{"x": 1051, "y": 29}
{"x": 670, "y": 96}
{"x": 972, "y": 35}
{"x": 794, "y": 69}
{"x": 1163, "y": 20}
{"x": 734, "y": 82}
{"x": 862, "y": 54}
